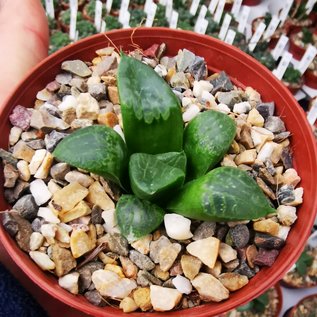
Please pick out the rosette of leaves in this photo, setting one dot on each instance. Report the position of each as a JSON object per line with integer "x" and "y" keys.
{"x": 91, "y": 8}
{"x": 116, "y": 4}
{"x": 65, "y": 17}
{"x": 263, "y": 55}
{"x": 160, "y": 19}
{"x": 292, "y": 75}
{"x": 158, "y": 155}
{"x": 307, "y": 37}
{"x": 137, "y": 17}
{"x": 303, "y": 263}
{"x": 85, "y": 28}
{"x": 112, "y": 23}
{"x": 58, "y": 40}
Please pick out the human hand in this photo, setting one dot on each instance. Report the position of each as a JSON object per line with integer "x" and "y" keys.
{"x": 24, "y": 41}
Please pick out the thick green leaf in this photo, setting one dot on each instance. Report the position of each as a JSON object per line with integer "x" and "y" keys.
{"x": 175, "y": 159}
{"x": 137, "y": 218}
{"x": 207, "y": 139}
{"x": 151, "y": 178}
{"x": 224, "y": 194}
{"x": 97, "y": 149}
{"x": 151, "y": 113}
{"x": 304, "y": 261}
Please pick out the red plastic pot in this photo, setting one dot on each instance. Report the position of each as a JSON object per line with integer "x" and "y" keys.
{"x": 251, "y": 3}
{"x": 291, "y": 312}
{"x": 295, "y": 49}
{"x": 310, "y": 79}
{"x": 244, "y": 71}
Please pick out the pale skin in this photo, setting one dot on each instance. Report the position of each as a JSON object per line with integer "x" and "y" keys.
{"x": 24, "y": 41}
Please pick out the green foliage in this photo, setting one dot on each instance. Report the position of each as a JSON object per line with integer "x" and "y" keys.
{"x": 112, "y": 23}
{"x": 303, "y": 263}
{"x": 65, "y": 16}
{"x": 307, "y": 36}
{"x": 292, "y": 75}
{"x": 58, "y": 40}
{"x": 257, "y": 305}
{"x": 85, "y": 28}
{"x": 137, "y": 17}
{"x": 160, "y": 19}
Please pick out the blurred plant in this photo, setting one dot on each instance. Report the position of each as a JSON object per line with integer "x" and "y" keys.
{"x": 85, "y": 28}
{"x": 303, "y": 263}
{"x": 292, "y": 75}
{"x": 58, "y": 40}
{"x": 257, "y": 305}
{"x": 137, "y": 17}
{"x": 112, "y": 23}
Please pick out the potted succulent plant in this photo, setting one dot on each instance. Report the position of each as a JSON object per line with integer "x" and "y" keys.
{"x": 310, "y": 76}
{"x": 89, "y": 11}
{"x": 292, "y": 79}
{"x": 263, "y": 55}
{"x": 210, "y": 49}
{"x": 85, "y": 28}
{"x": 160, "y": 19}
{"x": 137, "y": 17}
{"x": 52, "y": 25}
{"x": 305, "y": 307}
{"x": 137, "y": 4}
{"x": 268, "y": 304}
{"x": 299, "y": 42}
{"x": 64, "y": 19}
{"x": 65, "y": 4}
{"x": 112, "y": 23}
{"x": 58, "y": 40}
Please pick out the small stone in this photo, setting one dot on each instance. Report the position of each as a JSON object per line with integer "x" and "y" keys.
{"x": 286, "y": 195}
{"x": 156, "y": 246}
{"x": 221, "y": 83}
{"x": 263, "y": 240}
{"x": 129, "y": 269}
{"x": 26, "y": 207}
{"x": 7, "y": 157}
{"x": 163, "y": 298}
{"x": 97, "y": 91}
{"x": 231, "y": 265}
{"x": 205, "y": 250}
{"x": 22, "y": 151}
{"x": 108, "y": 63}
{"x": 44, "y": 95}
{"x": 37, "y": 224}
{"x": 36, "y": 144}
{"x": 286, "y": 215}
{"x": 14, "y": 135}
{"x": 52, "y": 139}
{"x": 200, "y": 87}
{"x": 251, "y": 253}
{"x": 79, "y": 85}
{"x": 36, "y": 241}
{"x": 266, "y": 257}
{"x": 233, "y": 281}
{"x": 98, "y": 196}
{"x": 48, "y": 215}
{"x": 198, "y": 68}
{"x": 239, "y": 235}
{"x": 142, "y": 299}
{"x": 246, "y": 157}
{"x": 160, "y": 70}
{"x": 229, "y": 98}
{"x": 76, "y": 67}
{"x": 40, "y": 192}
{"x": 190, "y": 265}
{"x": 290, "y": 177}
{"x": 176, "y": 269}
{"x": 63, "y": 260}
{"x": 169, "y": 283}
{"x": 141, "y": 260}
{"x": 244, "y": 269}
{"x": 245, "y": 137}
{"x": 191, "y": 112}
{"x": 69, "y": 196}
{"x": 64, "y": 91}
{"x": 111, "y": 285}
{"x": 80, "y": 243}
{"x": 274, "y": 124}
{"x": 182, "y": 284}
{"x": 62, "y": 234}
{"x": 96, "y": 213}
{"x": 110, "y": 221}
{"x": 53, "y": 86}
{"x": 45, "y": 166}
{"x": 82, "y": 179}
{"x": 59, "y": 170}
{"x": 144, "y": 278}
{"x": 177, "y": 227}
{"x": 95, "y": 298}
{"x": 267, "y": 226}
{"x": 42, "y": 119}
{"x": 85, "y": 274}
{"x": 227, "y": 253}
{"x": 159, "y": 273}
{"x": 21, "y": 117}
{"x": 255, "y": 119}
{"x": 128, "y": 305}
{"x": 23, "y": 170}
{"x": 143, "y": 244}
{"x": 63, "y": 78}
{"x": 287, "y": 158}
{"x": 117, "y": 243}
{"x": 106, "y": 51}
{"x": 184, "y": 60}
{"x": 10, "y": 175}
{"x": 242, "y": 107}
{"x": 109, "y": 119}
{"x": 210, "y": 288}
{"x": 266, "y": 109}
{"x": 113, "y": 95}
{"x": 36, "y": 160}
{"x": 168, "y": 255}
{"x": 87, "y": 108}
{"x": 266, "y": 189}
{"x": 280, "y": 137}
{"x": 69, "y": 282}
{"x": 42, "y": 260}
{"x": 179, "y": 80}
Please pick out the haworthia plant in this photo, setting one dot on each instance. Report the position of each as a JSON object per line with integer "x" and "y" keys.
{"x": 97, "y": 149}
{"x": 224, "y": 194}
{"x": 206, "y": 140}
{"x": 151, "y": 178}
{"x": 151, "y": 113}
{"x": 175, "y": 159}
{"x": 137, "y": 218}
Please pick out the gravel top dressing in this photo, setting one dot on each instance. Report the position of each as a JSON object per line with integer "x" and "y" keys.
{"x": 142, "y": 181}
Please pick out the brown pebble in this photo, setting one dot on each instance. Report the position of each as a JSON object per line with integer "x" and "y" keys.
{"x": 266, "y": 257}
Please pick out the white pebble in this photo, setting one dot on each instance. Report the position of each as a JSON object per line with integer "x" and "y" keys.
{"x": 65, "y": 226}
{"x": 53, "y": 187}
{"x": 48, "y": 215}
{"x": 48, "y": 230}
{"x": 118, "y": 129}
{"x": 241, "y": 107}
{"x": 177, "y": 227}
{"x": 283, "y": 232}
{"x": 68, "y": 102}
{"x": 109, "y": 217}
{"x": 24, "y": 171}
{"x": 36, "y": 241}
{"x": 286, "y": 215}
{"x": 190, "y": 113}
{"x": 208, "y": 97}
{"x": 182, "y": 284}
{"x": 221, "y": 107}
{"x": 186, "y": 101}
{"x": 266, "y": 151}
{"x": 161, "y": 70}
{"x": 40, "y": 192}
{"x": 42, "y": 260}
{"x": 69, "y": 282}
{"x": 200, "y": 87}
{"x": 14, "y": 135}
{"x": 164, "y": 298}
{"x": 37, "y": 160}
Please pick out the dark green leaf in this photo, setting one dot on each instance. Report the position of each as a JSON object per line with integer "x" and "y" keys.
{"x": 224, "y": 194}
{"x": 302, "y": 264}
{"x": 246, "y": 307}
{"x": 151, "y": 178}
{"x": 137, "y": 218}
{"x": 151, "y": 113}
{"x": 206, "y": 140}
{"x": 175, "y": 159}
{"x": 261, "y": 302}
{"x": 97, "y": 149}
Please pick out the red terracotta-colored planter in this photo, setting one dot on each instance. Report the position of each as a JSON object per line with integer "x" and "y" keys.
{"x": 251, "y": 3}
{"x": 291, "y": 313}
{"x": 310, "y": 79}
{"x": 244, "y": 71}
{"x": 295, "y": 49}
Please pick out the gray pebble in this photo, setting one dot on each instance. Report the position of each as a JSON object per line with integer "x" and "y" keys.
{"x": 59, "y": 170}
{"x": 63, "y": 78}
{"x": 244, "y": 269}
{"x": 141, "y": 261}
{"x": 95, "y": 298}
{"x": 266, "y": 109}
{"x": 36, "y": 144}
{"x": 37, "y": 224}
{"x": 229, "y": 98}
{"x": 240, "y": 235}
{"x": 10, "y": 225}
{"x": 96, "y": 217}
{"x": 52, "y": 139}
{"x": 221, "y": 83}
{"x": 286, "y": 194}
{"x": 199, "y": 68}
{"x": 205, "y": 230}
{"x": 98, "y": 91}
{"x": 147, "y": 279}
{"x": 8, "y": 157}
{"x": 26, "y": 207}
{"x": 274, "y": 124}
{"x": 76, "y": 67}
{"x": 85, "y": 273}
{"x": 266, "y": 241}
{"x": 117, "y": 243}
